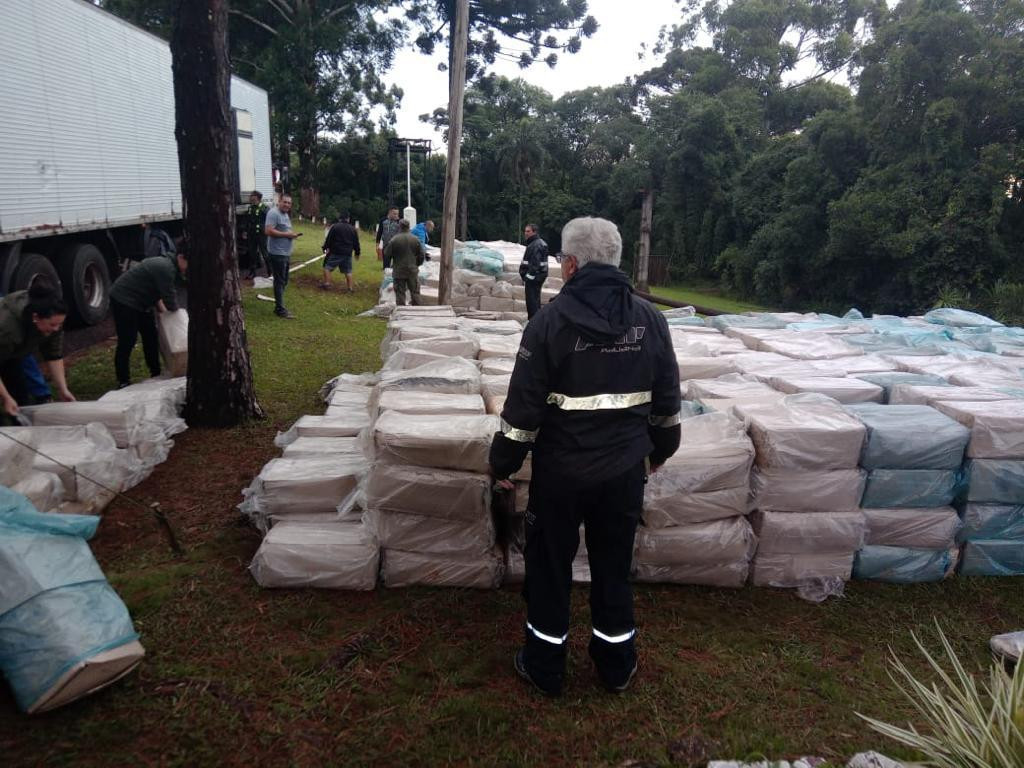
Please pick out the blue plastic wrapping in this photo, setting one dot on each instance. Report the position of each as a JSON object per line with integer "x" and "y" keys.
{"x": 988, "y": 557}
{"x": 960, "y": 318}
{"x": 993, "y": 521}
{"x": 910, "y": 437}
{"x": 903, "y": 565}
{"x": 995, "y": 481}
{"x": 690, "y": 408}
{"x": 482, "y": 260}
{"x": 893, "y": 488}
{"x": 56, "y": 608}
{"x": 889, "y": 380}
{"x": 685, "y": 321}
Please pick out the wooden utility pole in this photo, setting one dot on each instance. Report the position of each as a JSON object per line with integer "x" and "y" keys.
{"x": 644, "y": 257}
{"x": 220, "y": 391}
{"x": 456, "y": 92}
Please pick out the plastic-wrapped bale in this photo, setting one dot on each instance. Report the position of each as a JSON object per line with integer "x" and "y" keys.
{"x": 320, "y": 447}
{"x": 335, "y": 555}
{"x": 452, "y": 344}
{"x": 904, "y": 565}
{"x": 495, "y": 386}
{"x": 997, "y": 428}
{"x": 806, "y": 490}
{"x": 807, "y": 533}
{"x": 960, "y": 318}
{"x": 343, "y": 423}
{"x": 127, "y": 424}
{"x": 995, "y": 481}
{"x": 350, "y": 400}
{"x": 724, "y": 322}
{"x": 810, "y": 346}
{"x": 910, "y": 437}
{"x": 931, "y": 394}
{"x": 172, "y": 336}
{"x": 992, "y": 557}
{"x": 868, "y": 364}
{"x": 43, "y": 489}
{"x": 804, "y": 431}
{"x": 453, "y": 375}
{"x": 491, "y": 327}
{"x": 308, "y": 486}
{"x": 440, "y": 536}
{"x": 494, "y": 345}
{"x": 17, "y": 454}
{"x": 728, "y": 387}
{"x": 913, "y": 528}
{"x": 431, "y": 403}
{"x": 916, "y": 488}
{"x": 794, "y": 571}
{"x": 497, "y": 366}
{"x": 86, "y": 459}
{"x": 440, "y": 493}
{"x": 481, "y": 260}
{"x": 446, "y": 442}
{"x": 703, "y": 367}
{"x": 161, "y": 399}
{"x": 406, "y": 569}
{"x": 845, "y": 390}
{"x": 887, "y": 381}
{"x": 64, "y": 633}
{"x": 715, "y": 553}
{"x": 495, "y": 404}
{"x": 708, "y": 477}
{"x": 348, "y": 382}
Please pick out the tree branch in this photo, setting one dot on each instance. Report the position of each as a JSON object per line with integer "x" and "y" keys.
{"x": 255, "y": 21}
{"x": 281, "y": 10}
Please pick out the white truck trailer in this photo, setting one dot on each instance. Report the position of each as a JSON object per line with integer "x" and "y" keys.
{"x": 87, "y": 148}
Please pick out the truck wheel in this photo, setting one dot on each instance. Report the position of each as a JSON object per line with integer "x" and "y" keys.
{"x": 31, "y": 266}
{"x": 83, "y": 272}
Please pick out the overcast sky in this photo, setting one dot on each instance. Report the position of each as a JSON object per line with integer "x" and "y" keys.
{"x": 605, "y": 59}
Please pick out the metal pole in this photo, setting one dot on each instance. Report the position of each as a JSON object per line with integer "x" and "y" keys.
{"x": 456, "y": 91}
{"x": 408, "y": 177}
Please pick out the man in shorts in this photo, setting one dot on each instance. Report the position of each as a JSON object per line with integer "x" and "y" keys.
{"x": 341, "y": 242}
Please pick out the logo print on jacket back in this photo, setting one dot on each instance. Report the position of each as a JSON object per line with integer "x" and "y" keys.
{"x": 627, "y": 342}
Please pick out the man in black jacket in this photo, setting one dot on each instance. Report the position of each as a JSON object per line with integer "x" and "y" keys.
{"x": 595, "y": 396}
{"x": 534, "y": 269}
{"x": 341, "y": 242}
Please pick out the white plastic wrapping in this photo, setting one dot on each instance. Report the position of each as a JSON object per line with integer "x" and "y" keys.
{"x": 706, "y": 479}
{"x": 322, "y": 447}
{"x": 447, "y": 442}
{"x": 407, "y": 569}
{"x": 704, "y": 367}
{"x": 342, "y": 555}
{"x": 730, "y": 575}
{"x": 352, "y": 382}
{"x": 494, "y": 404}
{"x": 452, "y": 344}
{"x": 340, "y": 423}
{"x": 495, "y": 385}
{"x": 807, "y": 533}
{"x": 44, "y": 489}
{"x": 807, "y": 490}
{"x": 809, "y": 346}
{"x": 453, "y": 375}
{"x": 172, "y": 335}
{"x": 16, "y": 455}
{"x": 431, "y": 403}
{"x": 440, "y": 536}
{"x": 845, "y": 390}
{"x": 916, "y": 528}
{"x": 428, "y": 492}
{"x": 161, "y": 400}
{"x": 717, "y": 541}
{"x": 789, "y": 571}
{"x": 306, "y": 486}
{"x": 997, "y": 428}
{"x": 126, "y": 421}
{"x": 405, "y": 359}
{"x": 728, "y": 387}
{"x": 804, "y": 431}
{"x": 498, "y": 327}
{"x": 867, "y": 364}
{"x": 351, "y": 399}
{"x": 914, "y": 394}
{"x": 497, "y": 366}
{"x": 494, "y": 345}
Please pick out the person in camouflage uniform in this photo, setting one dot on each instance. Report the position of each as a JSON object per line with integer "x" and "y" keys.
{"x": 257, "y": 241}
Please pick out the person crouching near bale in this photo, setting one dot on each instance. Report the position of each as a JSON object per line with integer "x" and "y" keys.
{"x": 594, "y": 395}
{"x": 151, "y": 285}
{"x": 405, "y": 254}
{"x": 31, "y": 321}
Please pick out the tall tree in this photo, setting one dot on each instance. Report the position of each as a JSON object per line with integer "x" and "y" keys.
{"x": 322, "y": 63}
{"x": 220, "y": 389}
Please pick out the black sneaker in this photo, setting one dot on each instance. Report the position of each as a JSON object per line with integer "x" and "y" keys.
{"x": 520, "y": 667}
{"x": 123, "y": 384}
{"x": 619, "y": 687}
{"x": 285, "y": 314}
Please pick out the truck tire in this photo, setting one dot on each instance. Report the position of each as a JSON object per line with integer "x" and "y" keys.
{"x": 31, "y": 266}
{"x": 83, "y": 273}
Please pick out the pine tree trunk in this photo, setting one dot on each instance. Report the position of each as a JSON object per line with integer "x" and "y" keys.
{"x": 220, "y": 383}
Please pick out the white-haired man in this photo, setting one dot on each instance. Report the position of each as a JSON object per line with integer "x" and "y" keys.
{"x": 595, "y": 396}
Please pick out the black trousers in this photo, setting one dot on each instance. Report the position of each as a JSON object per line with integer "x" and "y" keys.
{"x": 532, "y": 296}
{"x": 12, "y": 373}
{"x": 609, "y": 512}
{"x": 279, "y": 269}
{"x": 130, "y": 324}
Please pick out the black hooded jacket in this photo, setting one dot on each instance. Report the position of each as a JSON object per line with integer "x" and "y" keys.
{"x": 595, "y": 387}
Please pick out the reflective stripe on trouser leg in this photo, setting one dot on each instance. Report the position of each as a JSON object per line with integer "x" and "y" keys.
{"x": 614, "y": 638}
{"x": 547, "y": 638}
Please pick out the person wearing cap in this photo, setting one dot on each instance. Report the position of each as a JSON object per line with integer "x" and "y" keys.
{"x": 594, "y": 396}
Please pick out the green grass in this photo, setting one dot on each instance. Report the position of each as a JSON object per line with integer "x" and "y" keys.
{"x": 705, "y": 297}
{"x": 237, "y": 675}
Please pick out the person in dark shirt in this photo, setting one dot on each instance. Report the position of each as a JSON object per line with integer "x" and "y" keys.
{"x": 152, "y": 284}
{"x": 341, "y": 242}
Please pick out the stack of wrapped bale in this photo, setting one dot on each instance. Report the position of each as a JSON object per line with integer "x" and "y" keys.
{"x": 427, "y": 499}
{"x": 806, "y": 487}
{"x": 913, "y": 456}
{"x": 721, "y": 395}
{"x": 993, "y": 532}
{"x": 889, "y": 380}
{"x": 694, "y": 525}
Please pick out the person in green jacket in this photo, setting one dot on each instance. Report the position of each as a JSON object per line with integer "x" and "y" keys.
{"x": 405, "y": 254}
{"x": 152, "y": 284}
{"x": 31, "y": 321}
